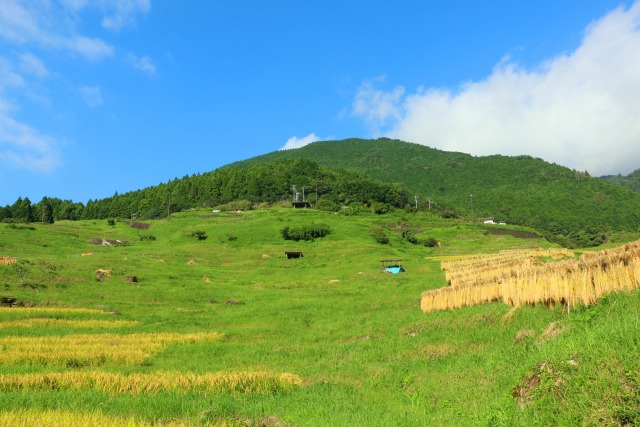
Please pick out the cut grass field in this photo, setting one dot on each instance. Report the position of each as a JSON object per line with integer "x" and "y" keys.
{"x": 323, "y": 340}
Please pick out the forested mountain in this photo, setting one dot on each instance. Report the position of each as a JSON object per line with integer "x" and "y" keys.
{"x": 519, "y": 190}
{"x": 631, "y": 181}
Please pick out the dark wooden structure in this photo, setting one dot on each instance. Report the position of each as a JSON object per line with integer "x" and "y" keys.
{"x": 291, "y": 254}
{"x": 303, "y": 205}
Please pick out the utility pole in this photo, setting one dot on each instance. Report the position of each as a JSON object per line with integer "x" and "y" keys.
{"x": 472, "y": 212}
{"x": 169, "y": 207}
{"x": 415, "y": 197}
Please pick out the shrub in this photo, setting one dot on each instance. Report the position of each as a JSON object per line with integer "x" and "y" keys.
{"x": 410, "y": 237}
{"x": 152, "y": 214}
{"x": 306, "y": 232}
{"x": 147, "y": 237}
{"x": 231, "y": 237}
{"x": 236, "y": 205}
{"x": 200, "y": 235}
{"x": 430, "y": 242}
{"x": 111, "y": 222}
{"x": 379, "y": 235}
{"x": 354, "y": 209}
{"x": 381, "y": 208}
{"x": 326, "y": 205}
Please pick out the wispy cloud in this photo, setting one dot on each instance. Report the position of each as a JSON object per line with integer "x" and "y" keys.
{"x": 578, "y": 109}
{"x": 377, "y": 107}
{"x": 117, "y": 14}
{"x": 122, "y": 13}
{"x": 295, "y": 142}
{"x": 31, "y": 64}
{"x": 9, "y": 77}
{"x": 23, "y": 146}
{"x": 144, "y": 64}
{"x": 33, "y": 28}
{"x": 92, "y": 95}
{"x": 44, "y": 24}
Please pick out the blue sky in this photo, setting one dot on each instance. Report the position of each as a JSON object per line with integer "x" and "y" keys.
{"x": 99, "y": 96}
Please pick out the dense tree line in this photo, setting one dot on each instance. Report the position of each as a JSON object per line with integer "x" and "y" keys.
{"x": 269, "y": 182}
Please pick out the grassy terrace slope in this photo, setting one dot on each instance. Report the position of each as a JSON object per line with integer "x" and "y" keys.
{"x": 238, "y": 335}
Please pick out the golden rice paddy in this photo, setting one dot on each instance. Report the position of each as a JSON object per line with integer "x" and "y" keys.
{"x": 91, "y": 350}
{"x": 39, "y": 322}
{"x": 213, "y": 382}
{"x": 50, "y": 310}
{"x": 57, "y": 418}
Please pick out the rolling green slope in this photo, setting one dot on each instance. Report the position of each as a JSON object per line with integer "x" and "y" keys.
{"x": 365, "y": 353}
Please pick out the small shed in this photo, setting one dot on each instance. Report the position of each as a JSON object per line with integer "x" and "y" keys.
{"x": 293, "y": 254}
{"x": 301, "y": 205}
{"x": 392, "y": 266}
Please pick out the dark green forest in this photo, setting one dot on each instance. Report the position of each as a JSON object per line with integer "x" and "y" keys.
{"x": 631, "y": 181}
{"x": 567, "y": 206}
{"x": 229, "y": 187}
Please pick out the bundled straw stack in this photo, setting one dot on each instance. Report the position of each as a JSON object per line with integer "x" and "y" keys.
{"x": 7, "y": 260}
{"x": 570, "y": 282}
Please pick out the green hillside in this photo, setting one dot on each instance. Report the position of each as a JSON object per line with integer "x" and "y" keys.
{"x": 631, "y": 181}
{"x": 354, "y": 340}
{"x": 519, "y": 190}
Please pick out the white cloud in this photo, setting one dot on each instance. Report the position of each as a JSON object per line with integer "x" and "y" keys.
{"x": 36, "y": 28}
{"x": 295, "y": 142}
{"x": 122, "y": 13}
{"x": 117, "y": 14}
{"x": 9, "y": 78}
{"x": 24, "y": 147}
{"x": 92, "y": 95}
{"x": 93, "y": 49}
{"x": 579, "y": 109}
{"x": 43, "y": 24}
{"x": 377, "y": 107}
{"x": 143, "y": 64}
{"x": 33, "y": 65}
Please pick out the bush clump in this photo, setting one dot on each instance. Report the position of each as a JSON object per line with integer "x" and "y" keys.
{"x": 147, "y": 238}
{"x": 306, "y": 232}
{"x": 326, "y": 205}
{"x": 410, "y": 237}
{"x": 430, "y": 242}
{"x": 200, "y": 235}
{"x": 379, "y": 235}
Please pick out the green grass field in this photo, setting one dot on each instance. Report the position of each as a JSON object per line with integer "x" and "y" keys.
{"x": 354, "y": 340}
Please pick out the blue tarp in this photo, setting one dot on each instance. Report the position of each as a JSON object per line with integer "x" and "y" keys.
{"x": 394, "y": 269}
